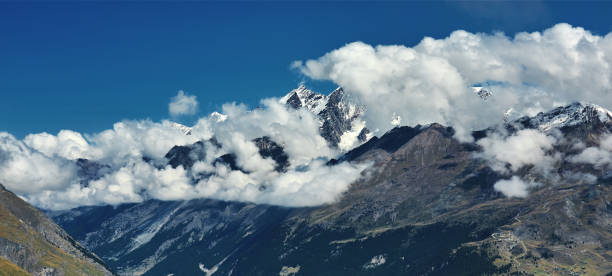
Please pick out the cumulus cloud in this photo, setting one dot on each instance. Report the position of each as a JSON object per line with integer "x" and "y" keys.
{"x": 513, "y": 187}
{"x": 67, "y": 144}
{"x": 431, "y": 82}
{"x": 125, "y": 141}
{"x": 24, "y": 170}
{"x": 296, "y": 130}
{"x": 313, "y": 184}
{"x": 133, "y": 182}
{"x": 183, "y": 104}
{"x": 510, "y": 153}
{"x": 43, "y": 169}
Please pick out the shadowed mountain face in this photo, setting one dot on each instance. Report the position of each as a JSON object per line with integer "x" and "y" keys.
{"x": 30, "y": 241}
{"x": 187, "y": 155}
{"x": 426, "y": 206}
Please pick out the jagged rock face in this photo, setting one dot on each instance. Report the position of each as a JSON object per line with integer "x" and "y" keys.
{"x": 482, "y": 92}
{"x": 337, "y": 117}
{"x": 303, "y": 97}
{"x": 586, "y": 116}
{"x": 186, "y": 155}
{"x": 270, "y": 149}
{"x": 294, "y": 101}
{"x": 426, "y": 206}
{"x": 335, "y": 112}
{"x": 577, "y": 122}
{"x": 36, "y": 244}
{"x": 363, "y": 134}
{"x": 90, "y": 170}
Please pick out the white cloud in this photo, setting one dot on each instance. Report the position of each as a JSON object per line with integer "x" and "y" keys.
{"x": 296, "y": 130}
{"x": 24, "y": 170}
{"x": 133, "y": 182}
{"x": 599, "y": 156}
{"x": 526, "y": 147}
{"x": 67, "y": 144}
{"x": 431, "y": 81}
{"x": 41, "y": 168}
{"x": 311, "y": 185}
{"x": 136, "y": 139}
{"x": 183, "y": 104}
{"x": 350, "y": 139}
{"x": 514, "y": 187}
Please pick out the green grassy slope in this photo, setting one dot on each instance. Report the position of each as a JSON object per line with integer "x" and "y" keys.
{"x": 34, "y": 251}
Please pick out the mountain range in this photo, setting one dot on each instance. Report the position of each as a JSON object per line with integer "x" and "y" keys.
{"x": 428, "y": 204}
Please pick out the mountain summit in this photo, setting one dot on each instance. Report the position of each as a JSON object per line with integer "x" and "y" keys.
{"x": 568, "y": 116}
{"x": 341, "y": 122}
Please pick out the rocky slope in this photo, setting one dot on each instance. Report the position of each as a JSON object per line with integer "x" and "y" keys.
{"x": 427, "y": 206}
{"x": 30, "y": 241}
{"x": 7, "y": 268}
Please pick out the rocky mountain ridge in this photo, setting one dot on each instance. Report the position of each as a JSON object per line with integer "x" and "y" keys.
{"x": 562, "y": 117}
{"x": 338, "y": 115}
{"x": 426, "y": 206}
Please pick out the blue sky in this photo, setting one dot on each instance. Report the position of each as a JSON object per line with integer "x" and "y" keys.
{"x": 84, "y": 66}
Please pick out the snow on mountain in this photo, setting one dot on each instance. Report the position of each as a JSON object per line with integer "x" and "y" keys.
{"x": 482, "y": 92}
{"x": 303, "y": 97}
{"x": 217, "y": 117}
{"x": 567, "y": 116}
{"x": 426, "y": 176}
{"x": 183, "y": 128}
{"x": 340, "y": 119}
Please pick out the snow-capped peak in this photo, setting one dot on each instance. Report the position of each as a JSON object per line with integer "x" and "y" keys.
{"x": 304, "y": 97}
{"x": 482, "y": 92}
{"x": 569, "y": 115}
{"x": 338, "y": 115}
{"x": 183, "y": 128}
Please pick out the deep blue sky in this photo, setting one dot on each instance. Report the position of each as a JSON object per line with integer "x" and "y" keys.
{"x": 84, "y": 66}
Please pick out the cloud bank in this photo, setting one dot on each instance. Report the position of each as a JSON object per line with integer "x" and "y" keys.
{"x": 43, "y": 167}
{"x": 431, "y": 82}
{"x": 600, "y": 157}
